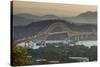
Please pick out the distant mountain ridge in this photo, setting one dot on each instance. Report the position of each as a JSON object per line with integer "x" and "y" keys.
{"x": 25, "y": 19}
{"x": 86, "y": 14}
{"x": 87, "y": 17}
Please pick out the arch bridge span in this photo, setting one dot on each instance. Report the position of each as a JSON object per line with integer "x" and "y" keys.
{"x": 42, "y": 36}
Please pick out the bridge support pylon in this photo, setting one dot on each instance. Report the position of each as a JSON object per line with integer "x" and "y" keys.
{"x": 45, "y": 44}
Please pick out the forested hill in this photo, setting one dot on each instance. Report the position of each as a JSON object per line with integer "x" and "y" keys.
{"x": 35, "y": 27}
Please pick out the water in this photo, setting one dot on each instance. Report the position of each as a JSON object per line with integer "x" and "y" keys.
{"x": 56, "y": 41}
{"x": 85, "y": 43}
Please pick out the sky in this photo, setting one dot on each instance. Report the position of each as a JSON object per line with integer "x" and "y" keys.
{"x": 40, "y": 9}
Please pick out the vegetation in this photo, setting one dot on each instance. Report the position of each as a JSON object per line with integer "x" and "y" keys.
{"x": 19, "y": 56}
{"x": 61, "y": 54}
{"x": 51, "y": 53}
{"x": 83, "y": 51}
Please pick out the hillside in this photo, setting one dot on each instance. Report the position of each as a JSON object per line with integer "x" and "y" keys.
{"x": 35, "y": 27}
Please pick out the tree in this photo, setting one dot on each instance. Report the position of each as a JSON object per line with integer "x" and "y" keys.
{"x": 19, "y": 56}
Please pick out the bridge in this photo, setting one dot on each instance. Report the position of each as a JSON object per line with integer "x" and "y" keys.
{"x": 42, "y": 36}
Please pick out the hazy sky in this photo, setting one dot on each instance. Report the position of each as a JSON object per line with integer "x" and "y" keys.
{"x": 51, "y": 8}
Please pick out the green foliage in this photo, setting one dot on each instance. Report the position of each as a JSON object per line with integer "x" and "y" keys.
{"x": 44, "y": 62}
{"x": 83, "y": 51}
{"x": 19, "y": 56}
{"x": 62, "y": 53}
{"x": 92, "y": 53}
